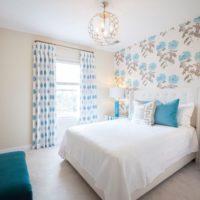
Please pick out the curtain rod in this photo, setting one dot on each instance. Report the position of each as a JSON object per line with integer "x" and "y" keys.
{"x": 60, "y": 45}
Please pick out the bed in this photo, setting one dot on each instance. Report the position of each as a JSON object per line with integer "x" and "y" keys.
{"x": 123, "y": 160}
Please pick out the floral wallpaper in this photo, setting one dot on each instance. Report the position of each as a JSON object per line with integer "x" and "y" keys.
{"x": 167, "y": 60}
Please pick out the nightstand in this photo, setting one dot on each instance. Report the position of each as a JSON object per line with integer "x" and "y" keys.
{"x": 112, "y": 117}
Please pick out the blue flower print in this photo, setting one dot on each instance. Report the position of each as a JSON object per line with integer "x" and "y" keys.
{"x": 186, "y": 55}
{"x": 128, "y": 57}
{"x": 173, "y": 44}
{"x": 135, "y": 83}
{"x": 152, "y": 66}
{"x": 122, "y": 51}
{"x": 173, "y": 79}
{"x": 197, "y": 57}
{"x": 197, "y": 19}
{"x": 135, "y": 56}
{"x": 161, "y": 46}
{"x": 122, "y": 73}
{"x": 152, "y": 38}
{"x": 117, "y": 72}
{"x": 161, "y": 78}
{"x": 142, "y": 66}
{"x": 128, "y": 82}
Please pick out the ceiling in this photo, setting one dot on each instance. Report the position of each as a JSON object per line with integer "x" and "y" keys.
{"x": 67, "y": 20}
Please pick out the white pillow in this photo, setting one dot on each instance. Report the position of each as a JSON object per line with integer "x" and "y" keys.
{"x": 144, "y": 112}
{"x": 185, "y": 112}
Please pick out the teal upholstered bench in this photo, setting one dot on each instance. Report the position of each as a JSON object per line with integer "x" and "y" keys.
{"x": 14, "y": 177}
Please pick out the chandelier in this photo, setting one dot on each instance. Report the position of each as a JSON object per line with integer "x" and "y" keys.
{"x": 103, "y": 27}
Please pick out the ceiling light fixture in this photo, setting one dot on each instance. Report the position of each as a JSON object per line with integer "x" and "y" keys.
{"x": 103, "y": 27}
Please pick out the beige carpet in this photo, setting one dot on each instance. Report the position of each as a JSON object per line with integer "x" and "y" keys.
{"x": 55, "y": 179}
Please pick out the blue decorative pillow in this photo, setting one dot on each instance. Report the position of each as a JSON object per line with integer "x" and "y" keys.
{"x": 166, "y": 114}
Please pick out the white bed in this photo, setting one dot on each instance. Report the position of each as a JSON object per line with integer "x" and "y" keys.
{"x": 123, "y": 160}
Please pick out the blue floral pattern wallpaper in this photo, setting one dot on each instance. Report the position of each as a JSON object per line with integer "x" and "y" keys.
{"x": 167, "y": 60}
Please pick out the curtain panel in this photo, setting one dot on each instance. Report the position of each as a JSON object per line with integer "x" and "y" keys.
{"x": 88, "y": 88}
{"x": 43, "y": 102}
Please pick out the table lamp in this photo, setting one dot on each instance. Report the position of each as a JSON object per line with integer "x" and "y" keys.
{"x": 116, "y": 93}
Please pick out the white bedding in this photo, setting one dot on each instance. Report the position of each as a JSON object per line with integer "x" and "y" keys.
{"x": 122, "y": 156}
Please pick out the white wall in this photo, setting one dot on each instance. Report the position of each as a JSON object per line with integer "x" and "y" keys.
{"x": 105, "y": 79}
{"x": 16, "y": 85}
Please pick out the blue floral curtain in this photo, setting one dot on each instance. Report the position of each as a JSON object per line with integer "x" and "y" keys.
{"x": 88, "y": 88}
{"x": 43, "y": 103}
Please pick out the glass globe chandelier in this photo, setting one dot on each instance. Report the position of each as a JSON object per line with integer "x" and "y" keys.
{"x": 103, "y": 27}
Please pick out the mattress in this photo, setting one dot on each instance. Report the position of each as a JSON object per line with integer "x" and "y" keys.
{"x": 122, "y": 156}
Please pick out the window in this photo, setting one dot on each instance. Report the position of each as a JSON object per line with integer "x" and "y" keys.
{"x": 67, "y": 89}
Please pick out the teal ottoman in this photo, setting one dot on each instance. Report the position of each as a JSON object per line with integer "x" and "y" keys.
{"x": 14, "y": 177}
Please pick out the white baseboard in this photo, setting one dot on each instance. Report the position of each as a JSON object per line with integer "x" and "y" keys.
{"x": 19, "y": 148}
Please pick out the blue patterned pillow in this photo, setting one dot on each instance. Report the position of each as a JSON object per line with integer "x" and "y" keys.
{"x": 166, "y": 114}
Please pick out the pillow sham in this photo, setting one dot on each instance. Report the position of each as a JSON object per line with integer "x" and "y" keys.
{"x": 185, "y": 113}
{"x": 166, "y": 113}
{"x": 144, "y": 112}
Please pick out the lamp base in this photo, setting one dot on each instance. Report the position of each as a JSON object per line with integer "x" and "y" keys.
{"x": 116, "y": 108}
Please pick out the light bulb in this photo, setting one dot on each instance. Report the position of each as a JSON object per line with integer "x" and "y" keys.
{"x": 105, "y": 33}
{"x": 97, "y": 30}
{"x": 111, "y": 28}
{"x": 102, "y": 26}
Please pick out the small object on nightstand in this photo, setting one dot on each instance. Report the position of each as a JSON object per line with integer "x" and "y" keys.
{"x": 112, "y": 117}
{"x": 116, "y": 93}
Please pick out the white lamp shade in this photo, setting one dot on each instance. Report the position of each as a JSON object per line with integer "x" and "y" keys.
{"x": 116, "y": 92}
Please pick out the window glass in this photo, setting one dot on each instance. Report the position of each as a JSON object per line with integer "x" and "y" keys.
{"x": 67, "y": 89}
{"x": 67, "y": 72}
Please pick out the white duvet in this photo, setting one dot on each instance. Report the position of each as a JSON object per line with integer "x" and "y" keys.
{"x": 122, "y": 156}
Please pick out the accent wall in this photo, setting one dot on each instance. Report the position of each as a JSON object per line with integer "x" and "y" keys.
{"x": 168, "y": 60}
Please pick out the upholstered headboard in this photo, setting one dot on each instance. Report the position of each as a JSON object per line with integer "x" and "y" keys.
{"x": 186, "y": 95}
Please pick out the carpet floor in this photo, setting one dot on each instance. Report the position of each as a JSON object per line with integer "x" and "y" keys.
{"x": 55, "y": 179}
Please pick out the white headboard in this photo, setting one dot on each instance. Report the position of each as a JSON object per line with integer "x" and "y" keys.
{"x": 185, "y": 95}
